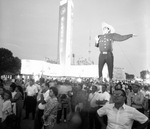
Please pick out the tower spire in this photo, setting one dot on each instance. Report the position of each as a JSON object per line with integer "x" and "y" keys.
{"x": 65, "y": 32}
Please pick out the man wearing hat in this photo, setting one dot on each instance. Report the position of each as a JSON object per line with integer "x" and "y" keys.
{"x": 136, "y": 99}
{"x": 104, "y": 42}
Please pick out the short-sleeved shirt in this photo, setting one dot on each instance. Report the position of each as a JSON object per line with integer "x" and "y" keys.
{"x": 104, "y": 96}
{"x": 135, "y": 100}
{"x": 31, "y": 90}
{"x": 46, "y": 97}
{"x": 93, "y": 98}
{"x": 121, "y": 118}
{"x": 6, "y": 109}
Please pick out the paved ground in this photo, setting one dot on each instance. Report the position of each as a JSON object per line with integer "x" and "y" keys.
{"x": 29, "y": 124}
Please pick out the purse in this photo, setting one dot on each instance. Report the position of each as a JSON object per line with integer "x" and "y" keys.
{"x": 11, "y": 118}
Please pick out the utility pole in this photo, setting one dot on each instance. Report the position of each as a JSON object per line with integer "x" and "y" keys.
{"x": 89, "y": 51}
{"x": 73, "y": 57}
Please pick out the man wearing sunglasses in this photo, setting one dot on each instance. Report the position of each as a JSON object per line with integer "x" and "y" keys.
{"x": 120, "y": 115}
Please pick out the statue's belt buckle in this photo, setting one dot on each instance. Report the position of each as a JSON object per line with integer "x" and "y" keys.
{"x": 104, "y": 52}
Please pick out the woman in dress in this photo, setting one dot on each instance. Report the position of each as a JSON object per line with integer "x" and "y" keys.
{"x": 18, "y": 102}
{"x": 50, "y": 111}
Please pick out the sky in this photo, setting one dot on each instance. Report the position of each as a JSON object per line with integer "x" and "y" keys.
{"x": 29, "y": 28}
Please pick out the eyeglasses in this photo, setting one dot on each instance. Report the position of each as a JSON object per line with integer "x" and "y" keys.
{"x": 117, "y": 95}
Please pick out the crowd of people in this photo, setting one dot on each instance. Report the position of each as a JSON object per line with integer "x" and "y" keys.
{"x": 86, "y": 104}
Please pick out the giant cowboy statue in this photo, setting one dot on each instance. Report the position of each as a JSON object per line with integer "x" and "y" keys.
{"x": 104, "y": 42}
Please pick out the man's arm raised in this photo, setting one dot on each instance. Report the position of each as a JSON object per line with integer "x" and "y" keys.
{"x": 96, "y": 41}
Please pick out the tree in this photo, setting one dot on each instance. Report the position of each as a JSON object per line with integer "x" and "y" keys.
{"x": 16, "y": 65}
{"x": 9, "y": 63}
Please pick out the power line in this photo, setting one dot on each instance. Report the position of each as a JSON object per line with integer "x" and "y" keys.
{"x": 127, "y": 58}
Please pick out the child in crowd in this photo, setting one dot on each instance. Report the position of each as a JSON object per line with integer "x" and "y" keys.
{"x": 6, "y": 109}
{"x": 1, "y": 103}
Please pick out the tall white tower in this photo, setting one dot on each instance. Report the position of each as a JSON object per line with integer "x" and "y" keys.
{"x": 65, "y": 32}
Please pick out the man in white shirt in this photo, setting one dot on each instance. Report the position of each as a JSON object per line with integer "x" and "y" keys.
{"x": 30, "y": 100}
{"x": 103, "y": 98}
{"x": 42, "y": 98}
{"x": 120, "y": 115}
{"x": 93, "y": 119}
